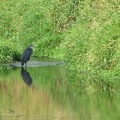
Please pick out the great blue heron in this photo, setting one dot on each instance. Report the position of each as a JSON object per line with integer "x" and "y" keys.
{"x": 26, "y": 55}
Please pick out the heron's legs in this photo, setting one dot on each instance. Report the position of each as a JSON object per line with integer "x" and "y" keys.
{"x": 26, "y": 65}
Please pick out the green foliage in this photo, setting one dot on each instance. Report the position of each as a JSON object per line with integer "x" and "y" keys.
{"x": 8, "y": 51}
{"x": 30, "y": 22}
{"x": 86, "y": 82}
{"x": 64, "y": 13}
{"x": 92, "y": 43}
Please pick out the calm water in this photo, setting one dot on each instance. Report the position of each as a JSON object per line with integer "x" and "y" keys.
{"x": 47, "y": 93}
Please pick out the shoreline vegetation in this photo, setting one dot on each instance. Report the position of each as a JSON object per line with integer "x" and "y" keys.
{"x": 84, "y": 33}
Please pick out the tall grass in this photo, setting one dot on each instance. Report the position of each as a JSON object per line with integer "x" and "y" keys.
{"x": 92, "y": 42}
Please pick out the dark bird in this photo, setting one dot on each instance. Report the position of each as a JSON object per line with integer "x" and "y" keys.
{"x": 26, "y": 55}
{"x": 26, "y": 76}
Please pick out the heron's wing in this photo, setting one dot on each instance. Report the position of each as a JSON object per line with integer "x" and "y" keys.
{"x": 25, "y": 55}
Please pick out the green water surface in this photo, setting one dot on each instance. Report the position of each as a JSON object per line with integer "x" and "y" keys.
{"x": 50, "y": 93}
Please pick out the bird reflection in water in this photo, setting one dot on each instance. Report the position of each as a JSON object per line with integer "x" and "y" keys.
{"x": 26, "y": 76}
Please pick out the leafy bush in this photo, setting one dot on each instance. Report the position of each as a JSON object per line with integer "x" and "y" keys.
{"x": 8, "y": 51}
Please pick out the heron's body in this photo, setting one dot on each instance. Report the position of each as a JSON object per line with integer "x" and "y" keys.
{"x": 26, "y": 55}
